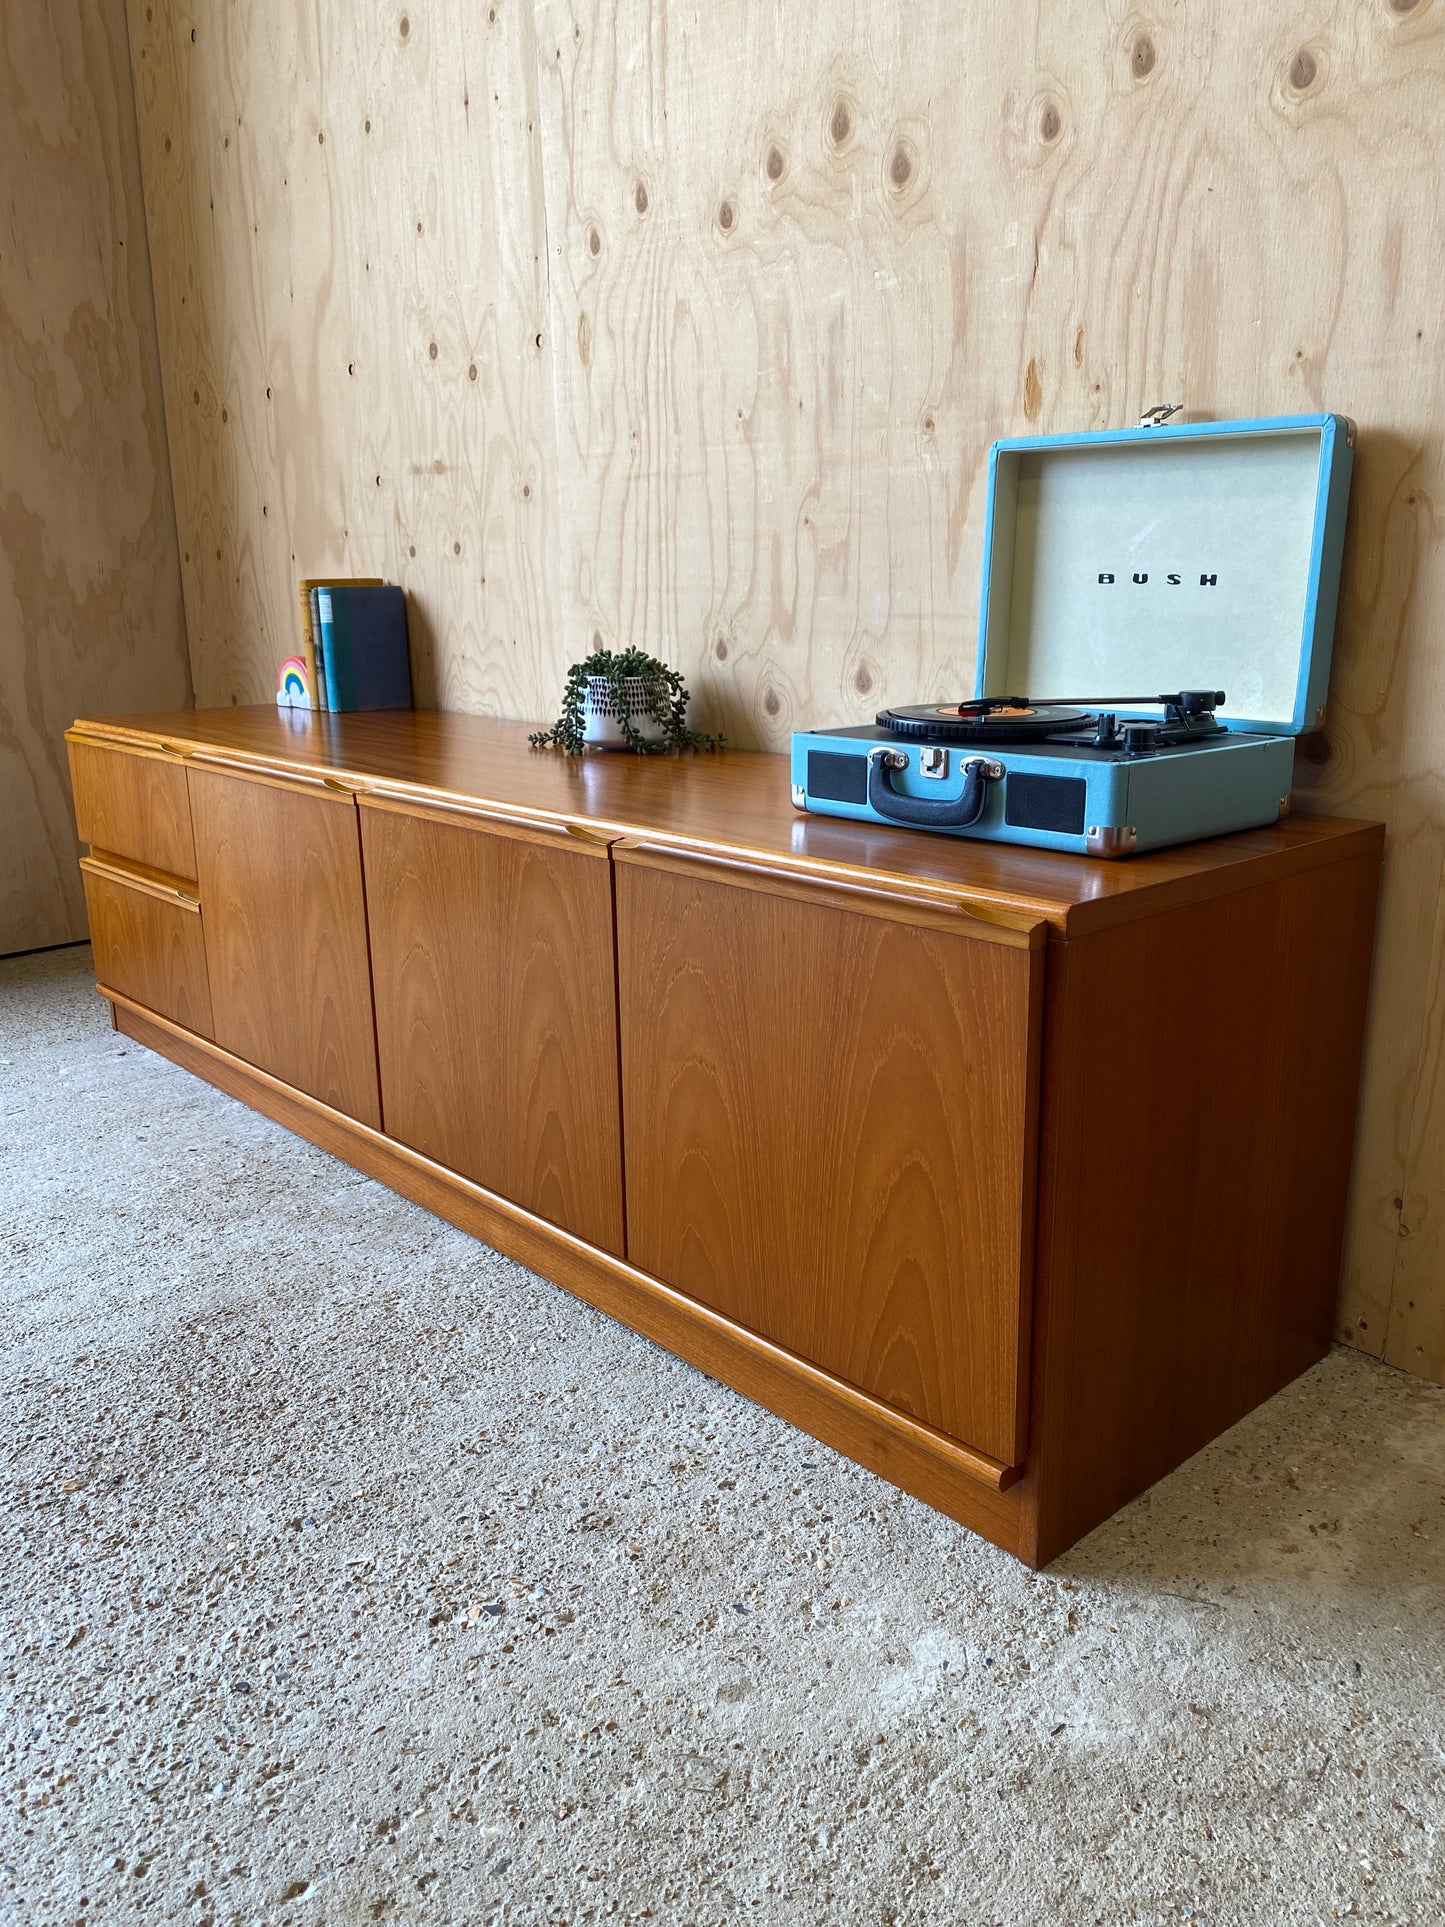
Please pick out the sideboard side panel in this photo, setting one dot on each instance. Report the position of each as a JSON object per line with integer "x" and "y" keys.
{"x": 1200, "y": 1084}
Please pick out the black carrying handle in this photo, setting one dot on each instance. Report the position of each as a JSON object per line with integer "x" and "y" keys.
{"x": 957, "y": 813}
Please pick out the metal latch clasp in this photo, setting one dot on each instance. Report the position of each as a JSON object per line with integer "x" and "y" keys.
{"x": 1156, "y": 416}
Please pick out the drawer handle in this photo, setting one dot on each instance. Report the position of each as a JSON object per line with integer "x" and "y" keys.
{"x": 468, "y": 813}
{"x": 281, "y": 778}
{"x": 1015, "y": 925}
{"x": 126, "y": 745}
{"x": 150, "y": 882}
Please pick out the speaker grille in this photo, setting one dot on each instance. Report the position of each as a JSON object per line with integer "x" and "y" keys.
{"x": 835, "y": 778}
{"x": 1045, "y": 803}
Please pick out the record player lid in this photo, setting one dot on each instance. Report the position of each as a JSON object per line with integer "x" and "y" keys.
{"x": 1205, "y": 553}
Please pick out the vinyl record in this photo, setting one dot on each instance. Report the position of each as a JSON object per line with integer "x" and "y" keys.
{"x": 970, "y": 723}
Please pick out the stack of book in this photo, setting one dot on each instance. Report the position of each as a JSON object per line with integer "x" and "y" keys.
{"x": 354, "y": 643}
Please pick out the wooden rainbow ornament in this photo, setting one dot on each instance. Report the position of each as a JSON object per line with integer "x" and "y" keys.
{"x": 293, "y": 685}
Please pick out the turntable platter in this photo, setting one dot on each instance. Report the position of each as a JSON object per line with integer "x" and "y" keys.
{"x": 975, "y": 723}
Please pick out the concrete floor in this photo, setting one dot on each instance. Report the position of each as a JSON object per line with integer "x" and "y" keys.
{"x": 348, "y": 1572}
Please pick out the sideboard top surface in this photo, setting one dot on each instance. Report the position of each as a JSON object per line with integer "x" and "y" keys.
{"x": 733, "y": 805}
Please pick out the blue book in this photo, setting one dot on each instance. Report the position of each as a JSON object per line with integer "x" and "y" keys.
{"x": 368, "y": 665}
{"x": 326, "y": 632}
{"x": 318, "y": 646}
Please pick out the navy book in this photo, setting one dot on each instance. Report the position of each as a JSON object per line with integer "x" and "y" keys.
{"x": 367, "y": 662}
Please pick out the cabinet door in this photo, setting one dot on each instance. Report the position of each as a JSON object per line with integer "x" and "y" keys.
{"x": 496, "y": 1013}
{"x": 829, "y": 1116}
{"x": 285, "y": 927}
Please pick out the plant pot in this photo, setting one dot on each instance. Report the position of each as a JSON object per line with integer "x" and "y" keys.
{"x": 602, "y": 711}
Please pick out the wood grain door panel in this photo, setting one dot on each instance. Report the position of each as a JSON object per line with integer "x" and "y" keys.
{"x": 147, "y": 943}
{"x": 133, "y": 803}
{"x": 492, "y": 952}
{"x": 829, "y": 1133}
{"x": 285, "y": 929}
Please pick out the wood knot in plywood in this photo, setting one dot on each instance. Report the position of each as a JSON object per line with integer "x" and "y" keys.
{"x": 1143, "y": 57}
{"x": 639, "y": 197}
{"x": 594, "y": 242}
{"x": 1033, "y": 392}
{"x": 1304, "y": 71}
{"x": 726, "y": 216}
{"x": 842, "y": 118}
{"x": 1035, "y": 126}
{"x": 775, "y": 163}
{"x": 584, "y": 339}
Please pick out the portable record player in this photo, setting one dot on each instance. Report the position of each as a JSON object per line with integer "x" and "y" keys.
{"x": 1148, "y": 561}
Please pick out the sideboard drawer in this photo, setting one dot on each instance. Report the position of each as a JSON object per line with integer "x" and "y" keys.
{"x": 133, "y": 803}
{"x": 145, "y": 931}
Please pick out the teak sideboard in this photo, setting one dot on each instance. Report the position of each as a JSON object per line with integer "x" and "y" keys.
{"x": 1016, "y": 1177}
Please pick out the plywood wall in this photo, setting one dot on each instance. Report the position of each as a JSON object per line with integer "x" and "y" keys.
{"x": 351, "y": 294}
{"x": 690, "y": 326}
{"x": 90, "y": 595}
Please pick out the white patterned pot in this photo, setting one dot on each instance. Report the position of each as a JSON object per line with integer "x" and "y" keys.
{"x": 602, "y": 710}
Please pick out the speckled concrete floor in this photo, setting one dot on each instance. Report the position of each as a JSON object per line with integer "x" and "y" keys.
{"x": 350, "y": 1573}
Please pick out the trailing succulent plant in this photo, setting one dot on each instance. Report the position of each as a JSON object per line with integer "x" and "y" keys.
{"x": 637, "y": 687}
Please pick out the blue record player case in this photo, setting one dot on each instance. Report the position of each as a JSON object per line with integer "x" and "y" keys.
{"x": 1203, "y": 557}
